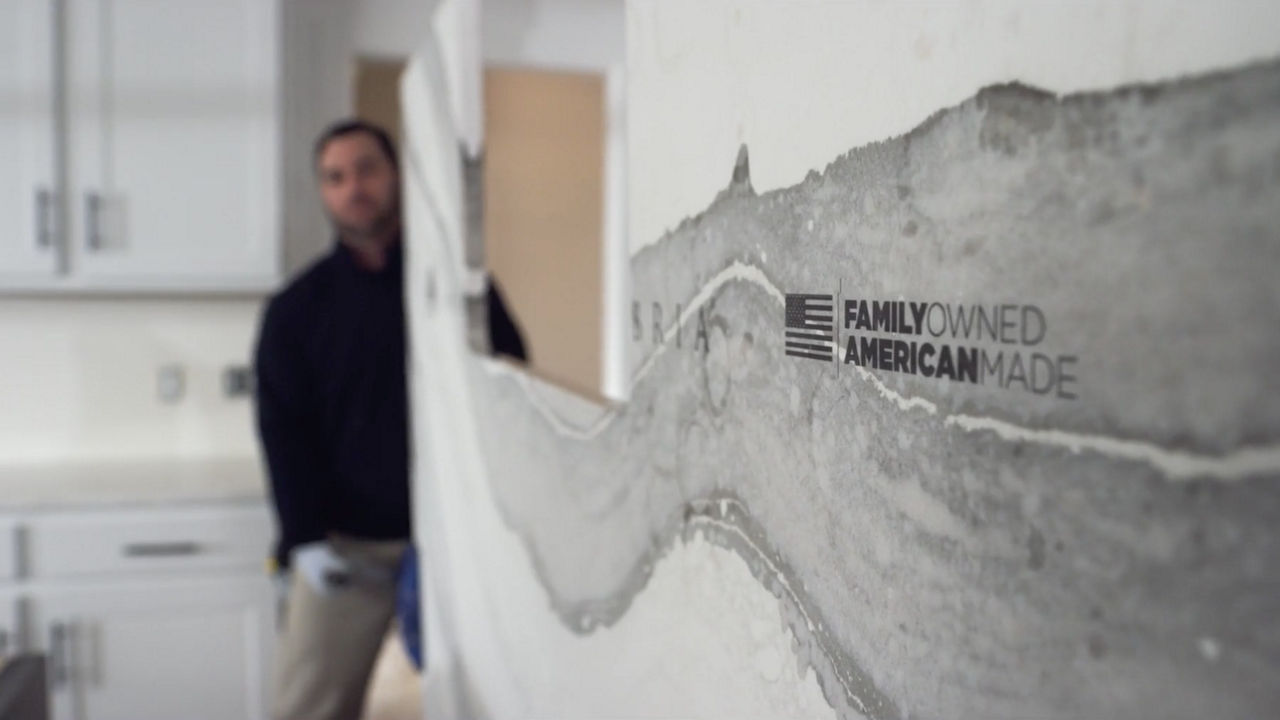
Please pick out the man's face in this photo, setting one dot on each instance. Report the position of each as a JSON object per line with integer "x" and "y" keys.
{"x": 359, "y": 186}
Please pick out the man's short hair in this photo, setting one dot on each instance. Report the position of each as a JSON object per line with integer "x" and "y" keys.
{"x": 343, "y": 128}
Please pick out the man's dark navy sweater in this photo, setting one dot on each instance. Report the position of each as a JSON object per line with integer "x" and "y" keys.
{"x": 332, "y": 407}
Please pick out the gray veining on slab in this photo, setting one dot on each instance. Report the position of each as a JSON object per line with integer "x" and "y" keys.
{"x": 947, "y": 548}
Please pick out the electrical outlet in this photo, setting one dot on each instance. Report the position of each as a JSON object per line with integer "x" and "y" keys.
{"x": 171, "y": 383}
{"x": 237, "y": 381}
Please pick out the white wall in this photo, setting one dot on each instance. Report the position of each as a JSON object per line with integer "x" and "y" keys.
{"x": 78, "y": 379}
{"x": 559, "y": 34}
{"x": 391, "y": 28}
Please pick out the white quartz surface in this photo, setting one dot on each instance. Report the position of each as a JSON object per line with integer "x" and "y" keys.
{"x": 111, "y": 482}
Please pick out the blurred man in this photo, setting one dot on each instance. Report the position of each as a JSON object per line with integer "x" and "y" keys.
{"x": 332, "y": 416}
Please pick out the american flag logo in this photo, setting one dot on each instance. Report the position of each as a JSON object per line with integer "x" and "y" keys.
{"x": 810, "y": 323}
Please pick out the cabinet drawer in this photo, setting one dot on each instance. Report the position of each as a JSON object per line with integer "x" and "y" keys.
{"x": 159, "y": 539}
{"x": 8, "y": 549}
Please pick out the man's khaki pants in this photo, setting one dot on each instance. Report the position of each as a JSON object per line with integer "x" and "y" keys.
{"x": 328, "y": 643}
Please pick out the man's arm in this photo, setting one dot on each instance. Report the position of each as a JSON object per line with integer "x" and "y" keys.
{"x": 287, "y": 428}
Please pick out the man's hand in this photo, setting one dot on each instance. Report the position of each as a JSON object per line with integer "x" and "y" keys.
{"x": 326, "y": 571}
{"x": 322, "y": 568}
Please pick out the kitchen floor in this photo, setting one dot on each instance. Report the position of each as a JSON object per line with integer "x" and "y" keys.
{"x": 395, "y": 690}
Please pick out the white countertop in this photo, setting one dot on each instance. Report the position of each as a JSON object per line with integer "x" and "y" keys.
{"x": 126, "y": 482}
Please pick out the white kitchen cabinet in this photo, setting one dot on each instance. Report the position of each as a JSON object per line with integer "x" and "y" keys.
{"x": 136, "y": 542}
{"x": 10, "y": 640}
{"x": 28, "y": 207}
{"x": 160, "y": 611}
{"x": 11, "y": 636}
{"x": 171, "y": 137}
{"x": 156, "y": 649}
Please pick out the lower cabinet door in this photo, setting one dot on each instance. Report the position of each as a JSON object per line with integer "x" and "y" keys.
{"x": 10, "y": 629}
{"x": 157, "y": 649}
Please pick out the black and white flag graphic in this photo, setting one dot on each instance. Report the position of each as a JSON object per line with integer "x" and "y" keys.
{"x": 810, "y": 321}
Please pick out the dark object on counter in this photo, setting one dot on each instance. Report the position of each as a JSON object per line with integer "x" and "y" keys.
{"x": 24, "y": 694}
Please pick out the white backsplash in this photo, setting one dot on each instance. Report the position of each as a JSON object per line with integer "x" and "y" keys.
{"x": 78, "y": 379}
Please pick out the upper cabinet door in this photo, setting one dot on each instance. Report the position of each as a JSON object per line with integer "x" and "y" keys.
{"x": 173, "y": 129}
{"x": 28, "y": 203}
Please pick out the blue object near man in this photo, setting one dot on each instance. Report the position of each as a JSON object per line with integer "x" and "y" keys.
{"x": 407, "y": 607}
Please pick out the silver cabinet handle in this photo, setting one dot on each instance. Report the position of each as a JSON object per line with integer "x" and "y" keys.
{"x": 20, "y": 553}
{"x": 92, "y": 220}
{"x": 58, "y": 657}
{"x": 44, "y": 222}
{"x": 162, "y": 549}
{"x": 22, "y": 634}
